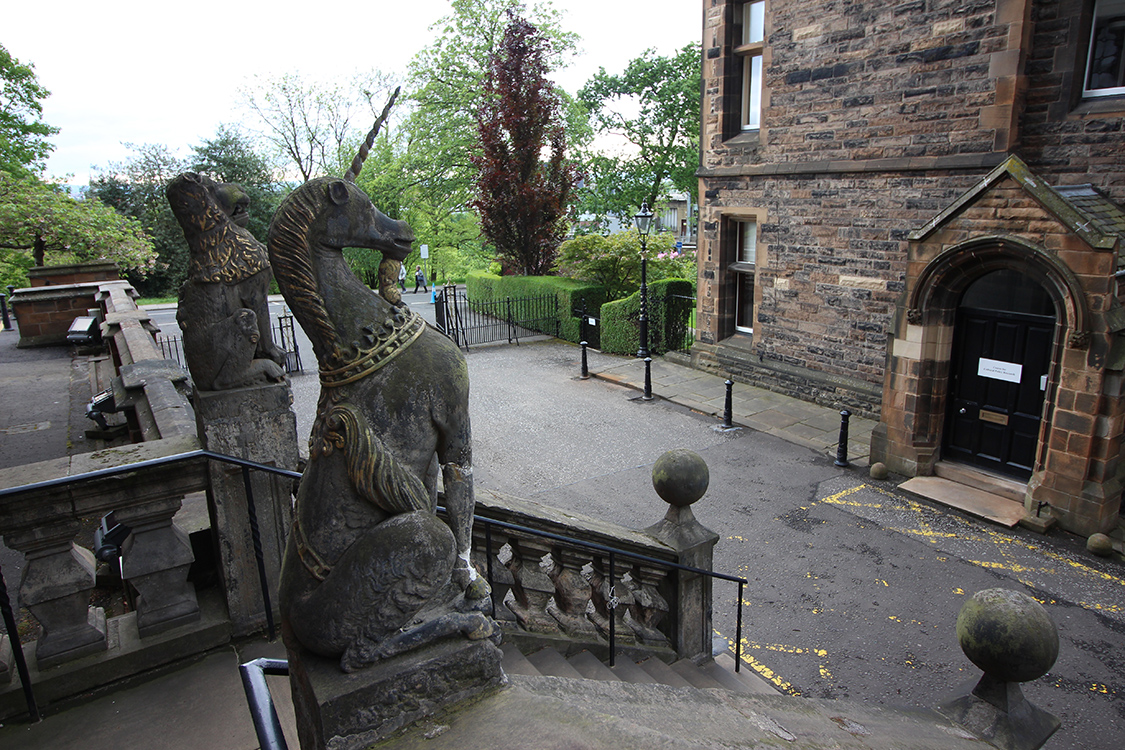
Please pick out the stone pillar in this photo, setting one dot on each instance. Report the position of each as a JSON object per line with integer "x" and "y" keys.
{"x": 681, "y": 477}
{"x": 256, "y": 424}
{"x": 57, "y": 579}
{"x": 155, "y": 559}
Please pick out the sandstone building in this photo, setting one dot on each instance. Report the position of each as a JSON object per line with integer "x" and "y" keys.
{"x": 912, "y": 209}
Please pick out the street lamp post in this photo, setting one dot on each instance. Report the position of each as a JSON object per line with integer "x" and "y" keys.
{"x": 644, "y": 225}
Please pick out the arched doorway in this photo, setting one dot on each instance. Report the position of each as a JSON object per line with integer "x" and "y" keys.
{"x": 999, "y": 368}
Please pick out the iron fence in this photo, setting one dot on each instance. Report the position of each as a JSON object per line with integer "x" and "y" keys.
{"x": 681, "y": 326}
{"x": 284, "y": 335}
{"x": 468, "y": 322}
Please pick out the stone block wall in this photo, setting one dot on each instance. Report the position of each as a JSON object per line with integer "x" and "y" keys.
{"x": 875, "y": 118}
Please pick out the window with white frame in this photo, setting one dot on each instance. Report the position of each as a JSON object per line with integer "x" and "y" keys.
{"x": 750, "y": 50}
{"x": 1105, "y": 66}
{"x": 744, "y": 269}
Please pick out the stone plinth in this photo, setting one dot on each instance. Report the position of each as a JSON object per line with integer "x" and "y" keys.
{"x": 256, "y": 424}
{"x": 351, "y": 711}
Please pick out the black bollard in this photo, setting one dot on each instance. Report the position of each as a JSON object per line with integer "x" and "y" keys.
{"x": 728, "y": 408}
{"x": 648, "y": 379}
{"x": 585, "y": 365}
{"x": 4, "y": 312}
{"x": 842, "y": 447}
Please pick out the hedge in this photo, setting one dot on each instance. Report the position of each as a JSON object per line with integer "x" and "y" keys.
{"x": 668, "y": 313}
{"x": 481, "y": 286}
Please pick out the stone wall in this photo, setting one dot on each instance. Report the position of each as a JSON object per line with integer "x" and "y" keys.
{"x": 875, "y": 117}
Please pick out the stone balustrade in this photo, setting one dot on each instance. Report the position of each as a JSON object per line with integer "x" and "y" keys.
{"x": 549, "y": 590}
{"x": 40, "y": 509}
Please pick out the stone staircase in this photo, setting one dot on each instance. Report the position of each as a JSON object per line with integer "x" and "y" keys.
{"x": 556, "y": 702}
{"x": 716, "y": 673}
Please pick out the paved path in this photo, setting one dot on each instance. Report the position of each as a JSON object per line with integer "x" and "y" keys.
{"x": 854, "y": 588}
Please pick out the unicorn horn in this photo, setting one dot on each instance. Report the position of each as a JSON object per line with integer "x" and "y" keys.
{"x": 365, "y": 147}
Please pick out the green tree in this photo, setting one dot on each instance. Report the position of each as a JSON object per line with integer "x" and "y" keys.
{"x": 446, "y": 80}
{"x": 231, "y": 156}
{"x": 655, "y": 106}
{"x": 23, "y": 135}
{"x": 524, "y": 182}
{"x": 38, "y": 220}
{"x": 136, "y": 188}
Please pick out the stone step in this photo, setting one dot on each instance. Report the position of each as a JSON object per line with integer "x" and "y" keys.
{"x": 971, "y": 500}
{"x": 628, "y": 671}
{"x": 695, "y": 675}
{"x": 551, "y": 663}
{"x": 514, "y": 662}
{"x": 742, "y": 681}
{"x": 662, "y": 673}
{"x": 591, "y": 667}
{"x": 993, "y": 484}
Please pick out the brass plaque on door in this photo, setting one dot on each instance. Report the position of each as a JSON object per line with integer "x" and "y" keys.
{"x": 994, "y": 417}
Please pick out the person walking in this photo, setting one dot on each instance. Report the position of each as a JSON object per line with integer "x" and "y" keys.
{"x": 402, "y": 277}
{"x": 419, "y": 279}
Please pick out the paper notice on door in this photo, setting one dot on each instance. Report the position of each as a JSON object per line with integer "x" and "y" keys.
{"x": 997, "y": 370}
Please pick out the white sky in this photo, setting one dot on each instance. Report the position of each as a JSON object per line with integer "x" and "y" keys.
{"x": 133, "y": 71}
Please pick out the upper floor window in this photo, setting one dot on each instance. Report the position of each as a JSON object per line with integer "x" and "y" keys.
{"x": 1105, "y": 69}
{"x": 750, "y": 50}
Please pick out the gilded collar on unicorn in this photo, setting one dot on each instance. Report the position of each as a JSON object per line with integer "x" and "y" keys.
{"x": 383, "y": 344}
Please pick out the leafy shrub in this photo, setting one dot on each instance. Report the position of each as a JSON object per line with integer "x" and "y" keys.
{"x": 614, "y": 261}
{"x": 668, "y": 311}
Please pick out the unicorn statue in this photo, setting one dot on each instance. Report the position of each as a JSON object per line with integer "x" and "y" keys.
{"x": 369, "y": 570}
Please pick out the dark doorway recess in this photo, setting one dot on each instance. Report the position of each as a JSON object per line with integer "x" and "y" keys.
{"x": 998, "y": 374}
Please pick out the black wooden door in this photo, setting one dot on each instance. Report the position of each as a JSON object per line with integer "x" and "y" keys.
{"x": 998, "y": 378}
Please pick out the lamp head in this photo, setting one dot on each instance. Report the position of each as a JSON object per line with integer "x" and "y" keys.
{"x": 644, "y": 220}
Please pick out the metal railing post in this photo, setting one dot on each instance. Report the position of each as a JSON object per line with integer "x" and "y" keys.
{"x": 611, "y": 607}
{"x": 842, "y": 446}
{"x": 488, "y": 558}
{"x": 738, "y": 630}
{"x": 17, "y": 650}
{"x": 258, "y": 556}
{"x": 4, "y": 311}
{"x": 267, "y": 726}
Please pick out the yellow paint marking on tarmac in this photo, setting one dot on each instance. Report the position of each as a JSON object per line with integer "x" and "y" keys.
{"x": 880, "y": 580}
{"x": 761, "y": 669}
{"x": 960, "y": 591}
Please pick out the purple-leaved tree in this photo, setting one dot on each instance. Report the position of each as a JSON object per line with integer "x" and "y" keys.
{"x": 524, "y": 181}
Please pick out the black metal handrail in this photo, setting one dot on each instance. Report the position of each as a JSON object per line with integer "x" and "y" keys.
{"x": 266, "y": 723}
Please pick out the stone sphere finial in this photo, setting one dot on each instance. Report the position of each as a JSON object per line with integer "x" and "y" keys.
{"x": 1008, "y": 635}
{"x": 680, "y": 477}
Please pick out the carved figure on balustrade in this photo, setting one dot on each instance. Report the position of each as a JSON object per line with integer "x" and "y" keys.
{"x": 223, "y": 307}
{"x": 530, "y": 593}
{"x": 369, "y": 570}
{"x": 571, "y": 597}
{"x": 647, "y": 610}
{"x": 607, "y": 601}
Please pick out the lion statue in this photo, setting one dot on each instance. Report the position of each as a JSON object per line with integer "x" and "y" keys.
{"x": 223, "y": 308}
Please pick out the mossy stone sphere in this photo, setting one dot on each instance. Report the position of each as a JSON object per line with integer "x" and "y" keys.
{"x": 1008, "y": 635}
{"x": 680, "y": 477}
{"x": 1100, "y": 544}
{"x": 879, "y": 470}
